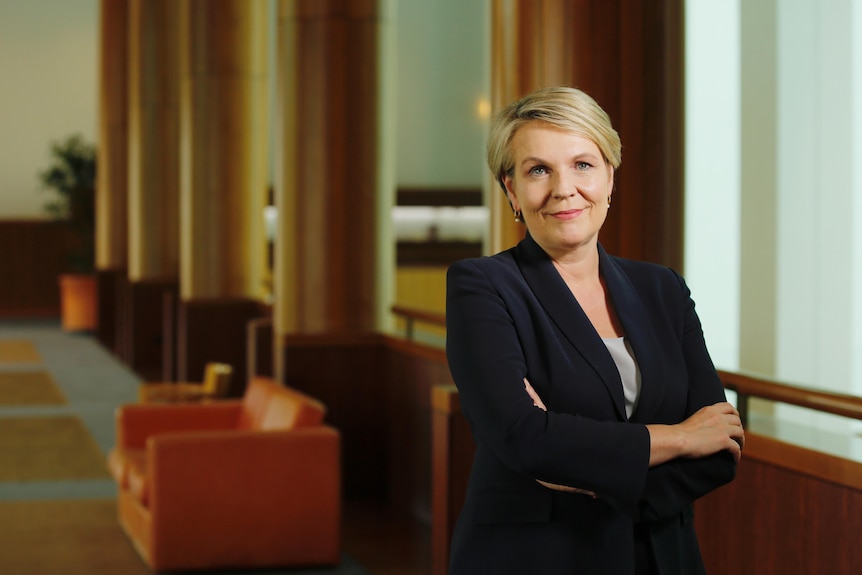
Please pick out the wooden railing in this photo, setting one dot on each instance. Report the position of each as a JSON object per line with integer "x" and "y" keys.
{"x": 747, "y": 386}
{"x": 413, "y": 316}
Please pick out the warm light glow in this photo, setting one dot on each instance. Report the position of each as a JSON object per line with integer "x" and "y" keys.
{"x": 483, "y": 108}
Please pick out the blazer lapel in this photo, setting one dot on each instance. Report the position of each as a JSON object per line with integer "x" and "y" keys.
{"x": 639, "y": 331}
{"x": 563, "y": 309}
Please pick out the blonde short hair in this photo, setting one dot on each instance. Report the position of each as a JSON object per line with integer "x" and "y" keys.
{"x": 569, "y": 109}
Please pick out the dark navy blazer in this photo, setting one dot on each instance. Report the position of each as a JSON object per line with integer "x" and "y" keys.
{"x": 512, "y": 316}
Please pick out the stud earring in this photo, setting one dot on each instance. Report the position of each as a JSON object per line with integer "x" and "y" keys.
{"x": 517, "y": 215}
{"x": 609, "y": 200}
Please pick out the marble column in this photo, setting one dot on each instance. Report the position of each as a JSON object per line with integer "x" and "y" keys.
{"x": 154, "y": 178}
{"x": 224, "y": 180}
{"x": 112, "y": 169}
{"x": 327, "y": 165}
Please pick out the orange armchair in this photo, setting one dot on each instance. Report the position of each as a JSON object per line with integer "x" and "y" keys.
{"x": 238, "y": 483}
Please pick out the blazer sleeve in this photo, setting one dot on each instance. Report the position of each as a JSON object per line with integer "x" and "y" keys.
{"x": 674, "y": 485}
{"x": 485, "y": 349}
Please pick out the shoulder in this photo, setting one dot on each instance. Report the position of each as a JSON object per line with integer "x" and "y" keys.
{"x": 646, "y": 274}
{"x": 500, "y": 264}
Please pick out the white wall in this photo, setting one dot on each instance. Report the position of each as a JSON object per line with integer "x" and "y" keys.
{"x": 712, "y": 172}
{"x": 799, "y": 208}
{"x": 818, "y": 256}
{"x": 48, "y": 90}
{"x": 855, "y": 314}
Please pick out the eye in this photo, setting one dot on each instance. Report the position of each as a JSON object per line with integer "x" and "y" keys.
{"x": 582, "y": 166}
{"x": 538, "y": 171}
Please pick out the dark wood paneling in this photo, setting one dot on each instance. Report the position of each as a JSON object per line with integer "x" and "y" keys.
{"x": 435, "y": 253}
{"x": 170, "y": 302}
{"x": 439, "y": 197}
{"x": 108, "y": 310}
{"x": 348, "y": 374}
{"x": 32, "y": 256}
{"x": 214, "y": 330}
{"x": 145, "y": 326}
{"x": 452, "y": 447}
{"x": 378, "y": 393}
{"x": 260, "y": 347}
{"x": 774, "y": 519}
{"x": 413, "y": 370}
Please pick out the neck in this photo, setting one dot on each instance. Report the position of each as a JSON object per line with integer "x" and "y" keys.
{"x": 580, "y": 265}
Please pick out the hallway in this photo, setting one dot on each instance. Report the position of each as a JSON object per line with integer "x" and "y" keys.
{"x": 91, "y": 383}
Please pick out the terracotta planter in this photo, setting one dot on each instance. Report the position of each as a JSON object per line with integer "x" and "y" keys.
{"x": 78, "y": 295}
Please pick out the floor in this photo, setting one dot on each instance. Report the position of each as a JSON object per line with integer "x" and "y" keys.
{"x": 383, "y": 540}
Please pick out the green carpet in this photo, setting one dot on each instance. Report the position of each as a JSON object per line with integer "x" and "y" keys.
{"x": 29, "y": 388}
{"x": 48, "y": 448}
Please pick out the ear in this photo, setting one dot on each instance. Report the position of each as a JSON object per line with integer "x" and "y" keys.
{"x": 508, "y": 184}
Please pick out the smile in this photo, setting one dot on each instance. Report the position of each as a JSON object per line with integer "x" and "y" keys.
{"x": 567, "y": 214}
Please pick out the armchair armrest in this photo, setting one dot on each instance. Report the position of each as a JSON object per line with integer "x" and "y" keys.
{"x": 230, "y": 487}
{"x": 136, "y": 422}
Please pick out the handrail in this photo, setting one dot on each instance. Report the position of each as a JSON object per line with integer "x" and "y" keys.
{"x": 412, "y": 315}
{"x": 748, "y": 385}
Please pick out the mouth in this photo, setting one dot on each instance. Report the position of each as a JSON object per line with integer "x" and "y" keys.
{"x": 567, "y": 214}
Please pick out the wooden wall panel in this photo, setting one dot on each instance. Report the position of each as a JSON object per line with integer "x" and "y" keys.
{"x": 108, "y": 329}
{"x": 214, "y": 330}
{"x": 413, "y": 370}
{"x": 780, "y": 518}
{"x": 32, "y": 256}
{"x": 348, "y": 374}
{"x": 452, "y": 448}
{"x": 146, "y": 329}
{"x": 378, "y": 393}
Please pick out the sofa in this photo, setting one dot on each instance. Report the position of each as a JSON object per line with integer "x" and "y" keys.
{"x": 244, "y": 483}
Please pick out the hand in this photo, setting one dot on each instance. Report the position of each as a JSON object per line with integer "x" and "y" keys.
{"x": 709, "y": 430}
{"x": 567, "y": 489}
{"x": 537, "y": 401}
{"x": 713, "y": 428}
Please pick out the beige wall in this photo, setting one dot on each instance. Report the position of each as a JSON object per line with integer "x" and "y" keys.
{"x": 48, "y": 62}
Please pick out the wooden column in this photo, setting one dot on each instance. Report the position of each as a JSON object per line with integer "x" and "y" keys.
{"x": 529, "y": 50}
{"x": 112, "y": 166}
{"x": 154, "y": 177}
{"x": 326, "y": 165}
{"x": 224, "y": 181}
{"x": 629, "y": 57}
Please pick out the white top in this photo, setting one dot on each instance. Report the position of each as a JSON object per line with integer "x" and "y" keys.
{"x": 621, "y": 351}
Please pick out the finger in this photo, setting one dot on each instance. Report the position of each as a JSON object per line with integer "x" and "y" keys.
{"x": 537, "y": 401}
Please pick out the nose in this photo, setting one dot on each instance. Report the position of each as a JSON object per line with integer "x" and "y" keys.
{"x": 564, "y": 186}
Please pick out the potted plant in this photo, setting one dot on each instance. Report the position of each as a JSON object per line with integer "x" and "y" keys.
{"x": 71, "y": 177}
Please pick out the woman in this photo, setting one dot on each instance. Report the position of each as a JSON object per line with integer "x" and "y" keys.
{"x": 596, "y": 410}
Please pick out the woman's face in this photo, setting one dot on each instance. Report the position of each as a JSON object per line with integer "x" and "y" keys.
{"x": 561, "y": 184}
